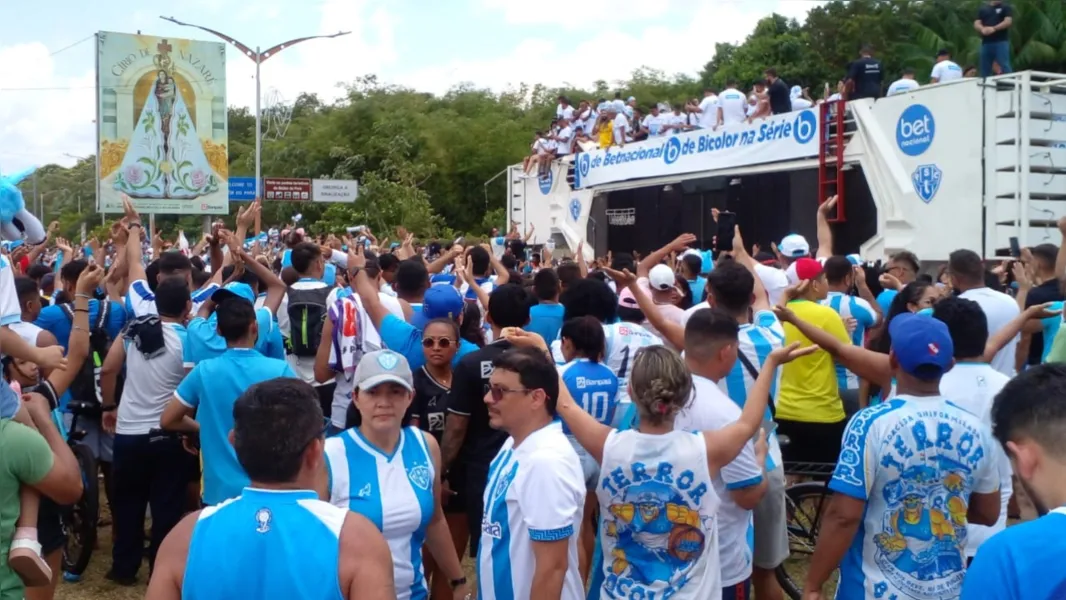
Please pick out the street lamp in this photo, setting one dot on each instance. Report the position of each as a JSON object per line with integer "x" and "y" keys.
{"x": 258, "y": 58}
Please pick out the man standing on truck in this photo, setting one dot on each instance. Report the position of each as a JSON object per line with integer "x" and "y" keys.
{"x": 864, "y": 75}
{"x": 993, "y": 23}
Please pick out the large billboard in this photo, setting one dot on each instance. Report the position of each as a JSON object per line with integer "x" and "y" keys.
{"x": 161, "y": 118}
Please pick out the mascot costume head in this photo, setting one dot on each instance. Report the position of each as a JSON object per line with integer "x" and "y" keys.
{"x": 17, "y": 223}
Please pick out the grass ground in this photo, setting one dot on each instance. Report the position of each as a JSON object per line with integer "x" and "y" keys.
{"x": 93, "y": 585}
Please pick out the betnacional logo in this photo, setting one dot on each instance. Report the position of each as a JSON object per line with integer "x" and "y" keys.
{"x": 915, "y": 130}
{"x": 545, "y": 182}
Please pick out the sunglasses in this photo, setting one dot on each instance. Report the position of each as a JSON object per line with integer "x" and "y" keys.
{"x": 326, "y": 422}
{"x": 442, "y": 343}
{"x": 498, "y": 392}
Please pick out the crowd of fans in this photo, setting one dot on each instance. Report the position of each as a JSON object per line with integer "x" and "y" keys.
{"x": 605, "y": 123}
{"x": 345, "y": 413}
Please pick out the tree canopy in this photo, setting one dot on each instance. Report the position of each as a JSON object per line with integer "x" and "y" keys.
{"x": 422, "y": 160}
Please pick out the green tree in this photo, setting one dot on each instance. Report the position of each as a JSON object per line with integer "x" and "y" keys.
{"x": 423, "y": 160}
{"x": 777, "y": 42}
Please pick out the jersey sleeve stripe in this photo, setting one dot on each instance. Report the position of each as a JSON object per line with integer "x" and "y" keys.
{"x": 551, "y": 535}
{"x": 739, "y": 485}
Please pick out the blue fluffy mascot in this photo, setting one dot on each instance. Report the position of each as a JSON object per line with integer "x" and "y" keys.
{"x": 17, "y": 223}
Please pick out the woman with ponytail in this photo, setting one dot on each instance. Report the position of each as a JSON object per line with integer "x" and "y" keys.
{"x": 657, "y": 502}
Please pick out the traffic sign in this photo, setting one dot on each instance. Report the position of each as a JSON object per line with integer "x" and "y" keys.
{"x": 334, "y": 190}
{"x": 241, "y": 189}
{"x": 287, "y": 190}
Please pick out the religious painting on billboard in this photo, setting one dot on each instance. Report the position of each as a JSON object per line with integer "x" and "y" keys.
{"x": 162, "y": 124}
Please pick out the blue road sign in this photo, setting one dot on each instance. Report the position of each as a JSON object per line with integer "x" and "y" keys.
{"x": 241, "y": 189}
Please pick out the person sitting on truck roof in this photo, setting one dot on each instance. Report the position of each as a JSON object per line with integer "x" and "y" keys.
{"x": 945, "y": 69}
{"x": 904, "y": 84}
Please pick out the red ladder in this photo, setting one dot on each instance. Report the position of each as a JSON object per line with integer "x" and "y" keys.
{"x": 831, "y": 156}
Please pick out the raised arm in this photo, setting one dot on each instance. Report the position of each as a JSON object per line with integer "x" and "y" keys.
{"x": 825, "y": 232}
{"x": 1005, "y": 334}
{"x": 367, "y": 290}
{"x": 740, "y": 254}
{"x": 867, "y": 364}
{"x": 134, "y": 255}
{"x": 725, "y": 444}
{"x": 78, "y": 349}
{"x": 275, "y": 288}
{"x": 582, "y": 266}
{"x": 589, "y": 432}
{"x": 673, "y": 332}
{"x": 680, "y": 244}
{"x": 503, "y": 276}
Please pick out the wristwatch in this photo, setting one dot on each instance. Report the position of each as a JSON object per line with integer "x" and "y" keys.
{"x": 458, "y": 582}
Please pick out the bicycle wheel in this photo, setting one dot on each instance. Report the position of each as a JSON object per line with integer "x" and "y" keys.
{"x": 804, "y": 506}
{"x": 80, "y": 519}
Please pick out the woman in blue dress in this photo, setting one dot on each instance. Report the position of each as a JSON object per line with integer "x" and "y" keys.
{"x": 390, "y": 474}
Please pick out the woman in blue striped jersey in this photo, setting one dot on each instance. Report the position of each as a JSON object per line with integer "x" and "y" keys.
{"x": 391, "y": 475}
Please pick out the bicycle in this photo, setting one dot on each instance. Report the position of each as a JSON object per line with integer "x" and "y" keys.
{"x": 805, "y": 504}
{"x": 80, "y": 518}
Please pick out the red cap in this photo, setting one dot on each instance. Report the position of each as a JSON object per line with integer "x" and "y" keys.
{"x": 807, "y": 269}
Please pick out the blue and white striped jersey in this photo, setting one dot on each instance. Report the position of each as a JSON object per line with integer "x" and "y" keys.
{"x": 756, "y": 341}
{"x": 865, "y": 317}
{"x": 593, "y": 386}
{"x": 623, "y": 342}
{"x": 140, "y": 300}
{"x": 265, "y": 544}
{"x": 394, "y": 491}
{"x": 535, "y": 493}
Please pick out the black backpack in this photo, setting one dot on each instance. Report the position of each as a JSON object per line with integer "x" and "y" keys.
{"x": 85, "y": 388}
{"x": 307, "y": 311}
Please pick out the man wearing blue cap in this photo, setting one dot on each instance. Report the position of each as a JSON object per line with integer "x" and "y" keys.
{"x": 208, "y": 392}
{"x": 439, "y": 301}
{"x": 204, "y": 342}
{"x": 913, "y": 472}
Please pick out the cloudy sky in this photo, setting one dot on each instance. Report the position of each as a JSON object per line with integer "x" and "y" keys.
{"x": 47, "y": 80}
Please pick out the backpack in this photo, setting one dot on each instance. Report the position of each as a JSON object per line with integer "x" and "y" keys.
{"x": 307, "y": 311}
{"x": 86, "y": 385}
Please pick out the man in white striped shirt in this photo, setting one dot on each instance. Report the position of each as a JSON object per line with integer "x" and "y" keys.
{"x": 842, "y": 274}
{"x": 735, "y": 289}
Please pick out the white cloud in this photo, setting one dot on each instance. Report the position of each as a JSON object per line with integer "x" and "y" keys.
{"x": 39, "y": 127}
{"x": 566, "y": 13}
{"x": 43, "y": 115}
{"x": 611, "y": 55}
{"x": 317, "y": 66}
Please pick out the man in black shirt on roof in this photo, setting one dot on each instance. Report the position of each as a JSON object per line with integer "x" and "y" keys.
{"x": 864, "y": 75}
{"x": 780, "y": 102}
{"x": 993, "y": 23}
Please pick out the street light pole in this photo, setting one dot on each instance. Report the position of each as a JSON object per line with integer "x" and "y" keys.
{"x": 258, "y": 57}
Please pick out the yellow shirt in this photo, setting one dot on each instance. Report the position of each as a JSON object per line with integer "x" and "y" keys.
{"x": 606, "y": 134}
{"x": 808, "y": 390}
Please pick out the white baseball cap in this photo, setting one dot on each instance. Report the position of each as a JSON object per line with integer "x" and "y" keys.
{"x": 661, "y": 277}
{"x": 794, "y": 245}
